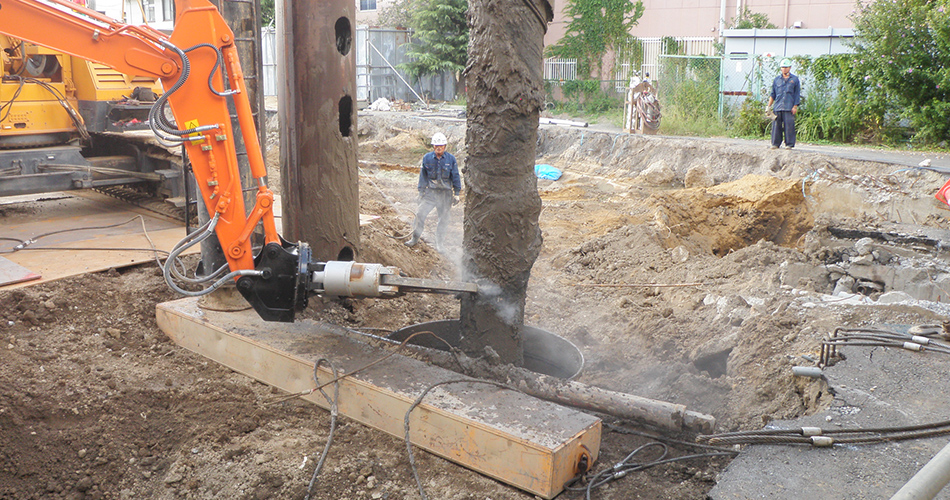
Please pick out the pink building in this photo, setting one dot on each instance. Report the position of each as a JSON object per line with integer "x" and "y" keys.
{"x": 705, "y": 18}
{"x": 690, "y": 18}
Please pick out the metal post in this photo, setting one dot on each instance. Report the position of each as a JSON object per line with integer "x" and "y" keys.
{"x": 929, "y": 480}
{"x": 317, "y": 106}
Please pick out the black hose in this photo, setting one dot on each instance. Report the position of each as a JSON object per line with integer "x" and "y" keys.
{"x": 217, "y": 62}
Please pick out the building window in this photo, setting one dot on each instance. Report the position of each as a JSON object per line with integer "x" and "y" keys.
{"x": 149, "y": 7}
{"x": 367, "y": 4}
{"x": 168, "y": 10}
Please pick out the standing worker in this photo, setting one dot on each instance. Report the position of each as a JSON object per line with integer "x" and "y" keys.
{"x": 786, "y": 94}
{"x": 439, "y": 187}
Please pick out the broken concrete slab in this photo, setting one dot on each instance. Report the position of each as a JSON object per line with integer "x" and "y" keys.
{"x": 873, "y": 387}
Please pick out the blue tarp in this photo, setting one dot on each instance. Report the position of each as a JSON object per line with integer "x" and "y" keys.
{"x": 547, "y": 172}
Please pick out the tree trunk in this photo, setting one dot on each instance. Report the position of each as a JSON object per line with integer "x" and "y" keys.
{"x": 502, "y": 238}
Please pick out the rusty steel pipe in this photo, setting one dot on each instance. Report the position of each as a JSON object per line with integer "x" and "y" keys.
{"x": 317, "y": 107}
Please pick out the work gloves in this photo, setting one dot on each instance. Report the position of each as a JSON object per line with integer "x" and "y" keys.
{"x": 455, "y": 200}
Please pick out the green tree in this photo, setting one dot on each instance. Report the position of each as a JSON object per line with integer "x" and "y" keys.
{"x": 749, "y": 20}
{"x": 903, "y": 49}
{"x": 440, "y": 28}
{"x": 267, "y": 12}
{"x": 397, "y": 14}
{"x": 596, "y": 27}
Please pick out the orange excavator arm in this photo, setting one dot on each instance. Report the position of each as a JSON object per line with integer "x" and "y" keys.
{"x": 192, "y": 64}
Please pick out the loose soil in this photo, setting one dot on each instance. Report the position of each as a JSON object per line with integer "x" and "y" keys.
{"x": 685, "y": 270}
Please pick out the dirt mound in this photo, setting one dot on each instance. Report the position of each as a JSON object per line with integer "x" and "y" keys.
{"x": 736, "y": 214}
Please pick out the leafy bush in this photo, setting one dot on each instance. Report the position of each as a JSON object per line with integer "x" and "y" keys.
{"x": 750, "y": 121}
{"x": 689, "y": 93}
{"x": 587, "y": 96}
{"x": 902, "y": 55}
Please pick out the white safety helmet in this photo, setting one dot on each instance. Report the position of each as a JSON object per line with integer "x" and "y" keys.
{"x": 438, "y": 139}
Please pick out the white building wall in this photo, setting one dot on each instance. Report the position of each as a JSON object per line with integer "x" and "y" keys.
{"x": 369, "y": 17}
{"x": 161, "y": 12}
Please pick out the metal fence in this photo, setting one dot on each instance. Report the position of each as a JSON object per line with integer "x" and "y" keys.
{"x": 700, "y": 84}
{"x": 269, "y": 59}
{"x": 653, "y": 49}
{"x": 558, "y": 70}
{"x": 379, "y": 52}
{"x": 691, "y": 84}
{"x": 742, "y": 77}
{"x": 696, "y": 83}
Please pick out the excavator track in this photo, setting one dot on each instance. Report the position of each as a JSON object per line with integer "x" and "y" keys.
{"x": 142, "y": 199}
{"x": 143, "y": 195}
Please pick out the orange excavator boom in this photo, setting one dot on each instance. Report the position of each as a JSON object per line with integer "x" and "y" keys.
{"x": 192, "y": 64}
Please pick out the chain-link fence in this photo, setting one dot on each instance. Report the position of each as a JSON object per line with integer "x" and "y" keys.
{"x": 379, "y": 52}
{"x": 720, "y": 86}
{"x": 561, "y": 79}
{"x": 652, "y": 49}
{"x": 689, "y": 85}
{"x": 702, "y": 94}
{"x": 742, "y": 79}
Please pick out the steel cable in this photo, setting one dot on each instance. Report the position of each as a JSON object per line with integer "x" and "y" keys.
{"x": 876, "y": 337}
{"x": 626, "y": 466}
{"x": 334, "y": 412}
{"x": 807, "y": 435}
{"x": 417, "y": 402}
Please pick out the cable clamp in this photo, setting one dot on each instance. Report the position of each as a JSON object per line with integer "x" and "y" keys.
{"x": 811, "y": 431}
{"x": 910, "y": 346}
{"x": 822, "y": 441}
{"x": 920, "y": 340}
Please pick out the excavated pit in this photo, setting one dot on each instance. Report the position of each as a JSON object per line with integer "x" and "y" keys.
{"x": 697, "y": 271}
{"x": 677, "y": 278}
{"x": 544, "y": 352}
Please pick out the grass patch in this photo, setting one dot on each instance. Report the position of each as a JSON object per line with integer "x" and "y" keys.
{"x": 676, "y": 122}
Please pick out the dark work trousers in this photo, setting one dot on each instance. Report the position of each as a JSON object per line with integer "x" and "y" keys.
{"x": 784, "y": 124}
{"x": 441, "y": 200}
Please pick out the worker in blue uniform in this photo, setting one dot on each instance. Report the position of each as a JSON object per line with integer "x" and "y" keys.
{"x": 439, "y": 188}
{"x": 784, "y": 99}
